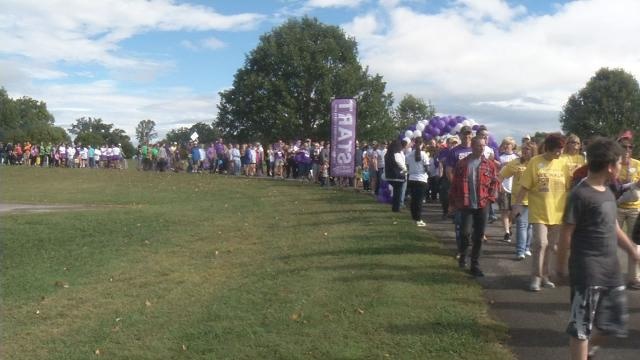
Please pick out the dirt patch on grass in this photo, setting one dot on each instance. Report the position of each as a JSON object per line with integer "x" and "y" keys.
{"x": 39, "y": 208}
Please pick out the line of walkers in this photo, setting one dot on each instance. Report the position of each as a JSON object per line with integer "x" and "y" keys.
{"x": 62, "y": 155}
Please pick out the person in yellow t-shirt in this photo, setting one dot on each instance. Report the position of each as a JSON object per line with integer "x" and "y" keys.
{"x": 546, "y": 181}
{"x": 629, "y": 207}
{"x": 572, "y": 153}
{"x": 515, "y": 168}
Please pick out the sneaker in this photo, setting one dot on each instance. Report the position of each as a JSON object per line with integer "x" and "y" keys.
{"x": 475, "y": 271}
{"x": 507, "y": 237}
{"x": 520, "y": 257}
{"x": 527, "y": 253}
{"x": 535, "y": 284}
{"x": 462, "y": 263}
{"x": 420, "y": 223}
{"x": 484, "y": 238}
{"x": 492, "y": 219}
{"x": 548, "y": 284}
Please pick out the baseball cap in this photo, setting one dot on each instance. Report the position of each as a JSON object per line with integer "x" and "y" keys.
{"x": 465, "y": 130}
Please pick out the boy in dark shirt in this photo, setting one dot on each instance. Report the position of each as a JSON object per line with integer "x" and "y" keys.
{"x": 590, "y": 229}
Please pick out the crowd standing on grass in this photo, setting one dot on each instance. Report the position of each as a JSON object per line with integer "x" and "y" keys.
{"x": 71, "y": 155}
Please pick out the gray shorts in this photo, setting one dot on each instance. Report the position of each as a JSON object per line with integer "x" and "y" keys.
{"x": 604, "y": 307}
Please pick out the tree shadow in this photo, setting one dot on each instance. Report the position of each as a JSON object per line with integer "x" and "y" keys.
{"x": 400, "y": 249}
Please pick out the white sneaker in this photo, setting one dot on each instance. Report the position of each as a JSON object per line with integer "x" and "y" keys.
{"x": 527, "y": 253}
{"x": 548, "y": 284}
{"x": 421, "y": 223}
{"x": 535, "y": 284}
{"x": 520, "y": 257}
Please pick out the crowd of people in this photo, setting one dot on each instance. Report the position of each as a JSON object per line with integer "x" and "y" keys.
{"x": 577, "y": 201}
{"x": 62, "y": 155}
{"x": 557, "y": 197}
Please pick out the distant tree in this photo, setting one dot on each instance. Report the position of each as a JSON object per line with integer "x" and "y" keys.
{"x": 26, "y": 119}
{"x": 92, "y": 131}
{"x": 179, "y": 136}
{"x": 288, "y": 81}
{"x": 410, "y": 110}
{"x": 607, "y": 105}
{"x": 146, "y": 131}
{"x": 206, "y": 134}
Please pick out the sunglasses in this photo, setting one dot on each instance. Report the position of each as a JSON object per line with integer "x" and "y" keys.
{"x": 628, "y": 146}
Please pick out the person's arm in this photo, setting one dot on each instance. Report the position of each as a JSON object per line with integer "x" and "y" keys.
{"x": 517, "y": 205}
{"x": 564, "y": 244}
{"x": 626, "y": 244}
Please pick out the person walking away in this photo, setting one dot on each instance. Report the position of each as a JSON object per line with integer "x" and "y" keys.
{"x": 395, "y": 172}
{"x": 590, "y": 229}
{"x": 454, "y": 156}
{"x": 545, "y": 181}
{"x": 418, "y": 162}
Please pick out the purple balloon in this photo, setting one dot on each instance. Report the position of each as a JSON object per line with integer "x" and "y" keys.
{"x": 446, "y": 130}
{"x": 412, "y": 127}
{"x": 427, "y": 136}
{"x": 441, "y": 124}
{"x": 432, "y": 121}
{"x": 452, "y": 122}
{"x": 475, "y": 127}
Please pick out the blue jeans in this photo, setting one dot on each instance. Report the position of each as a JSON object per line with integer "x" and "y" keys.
{"x": 457, "y": 222}
{"x": 524, "y": 232}
{"x": 404, "y": 193}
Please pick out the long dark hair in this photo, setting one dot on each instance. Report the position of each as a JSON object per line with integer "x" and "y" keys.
{"x": 418, "y": 149}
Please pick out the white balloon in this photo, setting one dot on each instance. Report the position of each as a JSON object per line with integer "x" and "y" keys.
{"x": 417, "y": 134}
{"x": 453, "y": 131}
{"x": 457, "y": 128}
{"x": 408, "y": 133}
{"x": 466, "y": 123}
{"x": 420, "y": 126}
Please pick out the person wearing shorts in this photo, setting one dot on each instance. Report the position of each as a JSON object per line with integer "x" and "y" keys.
{"x": 590, "y": 230}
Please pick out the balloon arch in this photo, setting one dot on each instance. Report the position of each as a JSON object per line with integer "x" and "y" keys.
{"x": 439, "y": 127}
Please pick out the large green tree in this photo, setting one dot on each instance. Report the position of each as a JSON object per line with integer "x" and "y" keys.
{"x": 607, "y": 105}
{"x": 26, "y": 119}
{"x": 410, "y": 110}
{"x": 286, "y": 85}
{"x": 146, "y": 131}
{"x": 182, "y": 135}
{"x": 93, "y": 131}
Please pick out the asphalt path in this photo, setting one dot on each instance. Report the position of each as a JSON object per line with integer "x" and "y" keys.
{"x": 536, "y": 320}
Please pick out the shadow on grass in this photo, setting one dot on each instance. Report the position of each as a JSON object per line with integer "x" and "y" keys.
{"x": 379, "y": 250}
{"x": 415, "y": 277}
{"x": 440, "y": 328}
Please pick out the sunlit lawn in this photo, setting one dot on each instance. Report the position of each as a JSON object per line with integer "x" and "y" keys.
{"x": 185, "y": 266}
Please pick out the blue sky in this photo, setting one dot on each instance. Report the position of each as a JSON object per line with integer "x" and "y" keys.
{"x": 508, "y": 64}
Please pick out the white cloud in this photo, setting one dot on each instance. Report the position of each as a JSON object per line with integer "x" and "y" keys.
{"x": 333, "y": 3}
{"x": 213, "y": 43}
{"x": 106, "y": 100}
{"x": 78, "y": 31}
{"x": 481, "y": 55}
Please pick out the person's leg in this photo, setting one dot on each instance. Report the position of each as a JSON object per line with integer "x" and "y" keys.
{"x": 480, "y": 217}
{"x": 633, "y": 267}
{"x": 578, "y": 349}
{"x": 539, "y": 247}
{"x": 420, "y": 195}
{"x": 403, "y": 193}
{"x": 553, "y": 235}
{"x": 397, "y": 192}
{"x": 522, "y": 226}
{"x": 457, "y": 224}
{"x": 413, "y": 187}
{"x": 466, "y": 222}
{"x": 444, "y": 195}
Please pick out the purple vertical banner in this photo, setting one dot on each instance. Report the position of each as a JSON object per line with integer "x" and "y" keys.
{"x": 343, "y": 137}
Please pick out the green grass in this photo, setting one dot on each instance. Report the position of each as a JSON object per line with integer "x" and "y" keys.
{"x": 183, "y": 266}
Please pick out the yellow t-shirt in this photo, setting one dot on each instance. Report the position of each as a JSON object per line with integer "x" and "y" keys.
{"x": 573, "y": 161}
{"x": 515, "y": 168}
{"x": 630, "y": 173}
{"x": 548, "y": 183}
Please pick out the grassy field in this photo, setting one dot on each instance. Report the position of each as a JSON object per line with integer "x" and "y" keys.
{"x": 185, "y": 266}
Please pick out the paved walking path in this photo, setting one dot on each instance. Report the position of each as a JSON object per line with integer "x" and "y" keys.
{"x": 536, "y": 321}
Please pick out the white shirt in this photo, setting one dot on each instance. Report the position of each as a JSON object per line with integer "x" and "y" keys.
{"x": 116, "y": 151}
{"x": 508, "y": 182}
{"x": 417, "y": 168}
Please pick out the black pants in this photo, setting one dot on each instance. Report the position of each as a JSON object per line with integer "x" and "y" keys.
{"x": 433, "y": 187}
{"x": 444, "y": 194}
{"x": 378, "y": 180}
{"x": 397, "y": 195}
{"x": 418, "y": 189}
{"x": 474, "y": 222}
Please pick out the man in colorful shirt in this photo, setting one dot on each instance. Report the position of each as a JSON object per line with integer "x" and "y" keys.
{"x": 474, "y": 187}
